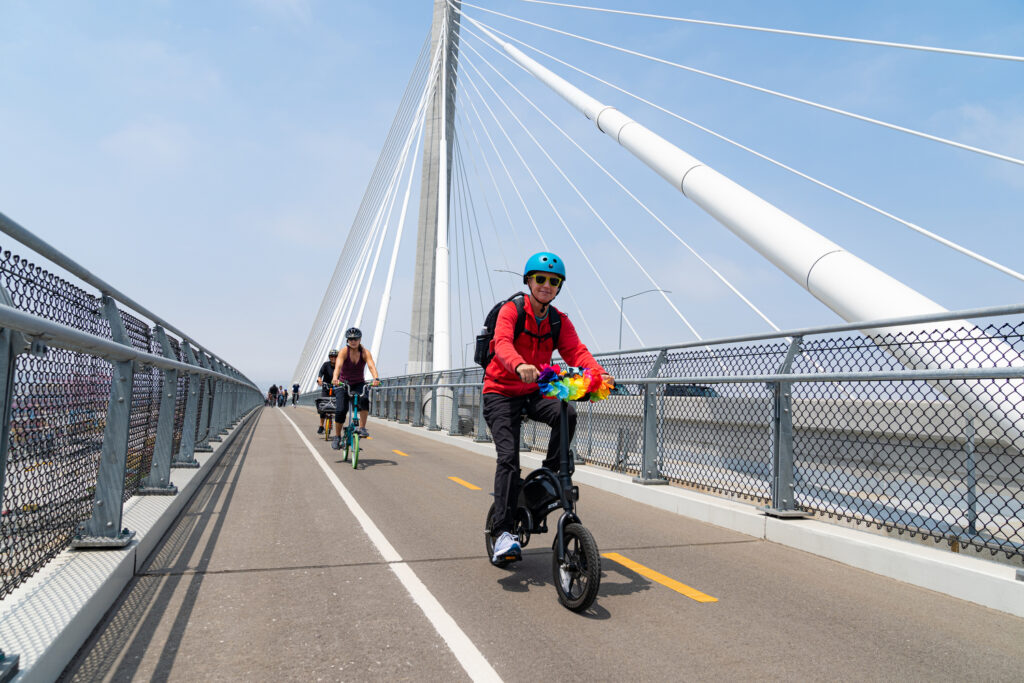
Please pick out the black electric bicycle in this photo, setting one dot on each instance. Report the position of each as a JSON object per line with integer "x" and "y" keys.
{"x": 575, "y": 560}
{"x": 350, "y": 436}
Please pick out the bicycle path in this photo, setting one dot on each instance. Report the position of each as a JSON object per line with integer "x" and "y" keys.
{"x": 270, "y": 574}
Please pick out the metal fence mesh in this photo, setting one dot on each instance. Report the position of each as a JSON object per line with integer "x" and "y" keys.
{"x": 58, "y": 413}
{"x": 58, "y": 417}
{"x": 938, "y": 459}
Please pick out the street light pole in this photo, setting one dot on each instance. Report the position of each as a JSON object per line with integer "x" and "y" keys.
{"x": 622, "y": 302}
{"x": 417, "y": 337}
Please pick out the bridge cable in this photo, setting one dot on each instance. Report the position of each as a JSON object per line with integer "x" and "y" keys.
{"x": 382, "y": 220}
{"x": 632, "y": 196}
{"x": 385, "y": 302}
{"x": 579, "y": 194}
{"x": 376, "y": 184}
{"x": 393, "y": 199}
{"x": 324, "y": 328}
{"x": 317, "y": 337}
{"x": 801, "y": 34}
{"x": 345, "y": 282}
{"x": 558, "y": 215}
{"x": 462, "y": 236}
{"x": 490, "y": 214}
{"x": 908, "y": 224}
{"x": 494, "y": 182}
{"x": 466, "y": 304}
{"x": 471, "y": 228}
{"x": 475, "y": 224}
{"x": 526, "y": 208}
{"x": 767, "y": 91}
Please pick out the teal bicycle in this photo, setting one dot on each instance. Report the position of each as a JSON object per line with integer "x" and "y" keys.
{"x": 350, "y": 434}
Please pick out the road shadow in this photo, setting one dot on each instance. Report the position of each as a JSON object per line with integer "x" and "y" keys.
{"x": 534, "y": 571}
{"x": 375, "y": 462}
{"x": 117, "y": 646}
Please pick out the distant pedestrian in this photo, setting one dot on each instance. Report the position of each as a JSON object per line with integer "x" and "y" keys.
{"x": 272, "y": 395}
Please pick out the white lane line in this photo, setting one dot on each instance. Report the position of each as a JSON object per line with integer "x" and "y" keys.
{"x": 461, "y": 646}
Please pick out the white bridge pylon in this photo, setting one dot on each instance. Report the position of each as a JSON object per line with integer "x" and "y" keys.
{"x": 851, "y": 287}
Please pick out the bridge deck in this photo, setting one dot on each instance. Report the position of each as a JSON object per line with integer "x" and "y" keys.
{"x": 269, "y": 575}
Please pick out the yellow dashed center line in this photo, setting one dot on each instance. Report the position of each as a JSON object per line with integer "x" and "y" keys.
{"x": 465, "y": 483}
{"x": 646, "y": 572}
{"x": 404, "y": 455}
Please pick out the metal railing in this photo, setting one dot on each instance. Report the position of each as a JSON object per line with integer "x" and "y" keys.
{"x": 96, "y": 406}
{"x": 807, "y": 422}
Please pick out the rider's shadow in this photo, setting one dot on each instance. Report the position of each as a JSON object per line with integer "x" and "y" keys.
{"x": 633, "y": 583}
{"x": 371, "y": 462}
{"x": 528, "y": 574}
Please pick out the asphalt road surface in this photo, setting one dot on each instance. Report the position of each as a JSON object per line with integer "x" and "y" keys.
{"x": 290, "y": 565}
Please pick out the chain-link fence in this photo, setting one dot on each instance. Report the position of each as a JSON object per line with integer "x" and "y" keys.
{"x": 918, "y": 430}
{"x": 82, "y": 384}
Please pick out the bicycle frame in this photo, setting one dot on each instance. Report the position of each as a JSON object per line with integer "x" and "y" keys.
{"x": 543, "y": 491}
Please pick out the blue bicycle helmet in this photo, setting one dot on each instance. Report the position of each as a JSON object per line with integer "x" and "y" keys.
{"x": 544, "y": 262}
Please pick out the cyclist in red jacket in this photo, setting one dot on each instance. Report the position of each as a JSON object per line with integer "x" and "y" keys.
{"x": 510, "y": 386}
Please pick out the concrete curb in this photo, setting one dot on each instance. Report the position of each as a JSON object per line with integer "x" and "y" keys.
{"x": 49, "y": 617}
{"x": 973, "y": 579}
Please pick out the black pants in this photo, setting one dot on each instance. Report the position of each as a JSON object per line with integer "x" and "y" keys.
{"x": 504, "y": 415}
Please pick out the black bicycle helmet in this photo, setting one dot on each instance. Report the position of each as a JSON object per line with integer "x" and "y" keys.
{"x": 353, "y": 333}
{"x": 332, "y": 353}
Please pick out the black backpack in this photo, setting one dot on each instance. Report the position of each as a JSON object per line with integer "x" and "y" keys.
{"x": 485, "y": 340}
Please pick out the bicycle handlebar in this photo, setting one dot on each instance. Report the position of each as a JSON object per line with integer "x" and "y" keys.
{"x": 348, "y": 388}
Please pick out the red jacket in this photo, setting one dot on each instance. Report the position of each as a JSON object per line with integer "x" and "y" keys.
{"x": 501, "y": 377}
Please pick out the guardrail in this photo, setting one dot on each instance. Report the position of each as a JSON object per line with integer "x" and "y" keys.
{"x": 96, "y": 405}
{"x": 806, "y": 422}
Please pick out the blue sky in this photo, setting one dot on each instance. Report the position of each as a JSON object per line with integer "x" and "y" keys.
{"x": 208, "y": 158}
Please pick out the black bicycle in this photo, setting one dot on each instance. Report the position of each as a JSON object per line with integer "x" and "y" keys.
{"x": 575, "y": 560}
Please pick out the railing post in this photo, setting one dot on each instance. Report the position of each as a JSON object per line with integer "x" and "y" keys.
{"x": 649, "y": 469}
{"x": 434, "y": 427}
{"x": 970, "y": 433}
{"x": 158, "y": 481}
{"x": 783, "y": 482}
{"x": 219, "y": 403}
{"x": 403, "y": 414}
{"x": 185, "y": 457}
{"x": 481, "y": 430}
{"x": 8, "y": 666}
{"x": 11, "y": 344}
{"x": 453, "y": 426}
{"x": 417, "y": 415}
{"x": 204, "y": 412}
{"x": 103, "y": 528}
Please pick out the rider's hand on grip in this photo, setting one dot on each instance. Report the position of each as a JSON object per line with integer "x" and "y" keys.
{"x": 528, "y": 373}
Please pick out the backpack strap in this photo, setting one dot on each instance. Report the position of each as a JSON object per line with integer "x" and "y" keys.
{"x": 556, "y": 326}
{"x": 556, "y": 323}
{"x": 520, "y": 301}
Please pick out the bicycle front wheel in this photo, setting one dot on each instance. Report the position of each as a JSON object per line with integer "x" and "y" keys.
{"x": 327, "y": 432}
{"x": 355, "y": 450}
{"x": 578, "y": 577}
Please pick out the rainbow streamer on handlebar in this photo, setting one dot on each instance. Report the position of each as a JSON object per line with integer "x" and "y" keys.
{"x": 572, "y": 386}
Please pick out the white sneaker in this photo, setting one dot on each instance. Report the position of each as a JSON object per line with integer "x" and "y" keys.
{"x": 507, "y": 548}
